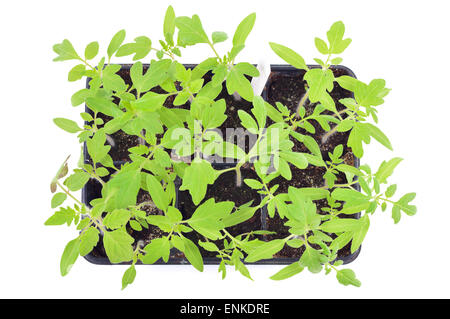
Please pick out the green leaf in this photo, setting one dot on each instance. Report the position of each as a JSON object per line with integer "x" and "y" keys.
{"x": 347, "y": 277}
{"x": 386, "y": 169}
{"x": 259, "y": 110}
{"x": 243, "y": 213}
{"x": 360, "y": 234}
{"x": 117, "y": 218}
{"x": 335, "y": 38}
{"x": 67, "y": 125}
{"x": 128, "y": 276}
{"x": 348, "y": 82}
{"x": 207, "y": 218}
{"x": 219, "y": 36}
{"x": 265, "y": 250}
{"x": 297, "y": 159}
{"x": 253, "y": 183}
{"x": 135, "y": 225}
{"x": 320, "y": 82}
{"x": 237, "y": 82}
{"x": 371, "y": 94}
{"x": 103, "y": 105}
{"x": 58, "y": 199}
{"x": 159, "y": 197}
{"x": 190, "y": 31}
{"x": 349, "y": 169}
{"x": 65, "y": 51}
{"x": 213, "y": 116}
{"x": 158, "y": 248}
{"x": 69, "y": 256}
{"x": 209, "y": 246}
{"x": 338, "y": 225}
{"x": 60, "y": 217}
{"x": 88, "y": 240}
{"x": 196, "y": 179}
{"x": 96, "y": 146}
{"x": 77, "y": 72}
{"x": 118, "y": 246}
{"x": 312, "y": 259}
{"x": 122, "y": 189}
{"x": 77, "y": 180}
{"x": 115, "y": 43}
{"x": 390, "y": 191}
{"x": 91, "y": 50}
{"x": 403, "y": 205}
{"x": 243, "y": 30}
{"x": 288, "y": 271}
{"x": 140, "y": 48}
{"x": 192, "y": 254}
{"x": 289, "y": 55}
{"x": 321, "y": 46}
{"x": 156, "y": 74}
{"x": 378, "y": 135}
{"x": 313, "y": 193}
{"x": 354, "y": 200}
{"x": 248, "y": 122}
{"x": 169, "y": 25}
{"x": 80, "y": 96}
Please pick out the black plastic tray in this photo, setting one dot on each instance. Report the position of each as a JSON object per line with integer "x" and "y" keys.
{"x": 92, "y": 189}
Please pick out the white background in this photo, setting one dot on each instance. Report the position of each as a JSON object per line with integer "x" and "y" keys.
{"x": 404, "y": 42}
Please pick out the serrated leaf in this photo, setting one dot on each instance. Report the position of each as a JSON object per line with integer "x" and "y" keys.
{"x": 347, "y": 277}
{"x": 190, "y": 31}
{"x": 118, "y": 246}
{"x": 88, "y": 240}
{"x": 312, "y": 259}
{"x": 196, "y": 179}
{"x": 386, "y": 169}
{"x": 158, "y": 248}
{"x": 117, "y": 218}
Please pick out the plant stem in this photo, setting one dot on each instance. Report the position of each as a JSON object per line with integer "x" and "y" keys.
{"x": 302, "y": 103}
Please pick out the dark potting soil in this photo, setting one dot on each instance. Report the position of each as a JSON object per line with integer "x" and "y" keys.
{"x": 225, "y": 189}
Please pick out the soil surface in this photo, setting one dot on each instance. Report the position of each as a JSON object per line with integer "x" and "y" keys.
{"x": 224, "y": 189}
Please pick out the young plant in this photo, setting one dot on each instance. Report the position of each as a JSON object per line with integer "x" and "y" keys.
{"x": 174, "y": 112}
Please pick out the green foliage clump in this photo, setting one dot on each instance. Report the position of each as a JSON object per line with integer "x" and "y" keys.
{"x": 189, "y": 132}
